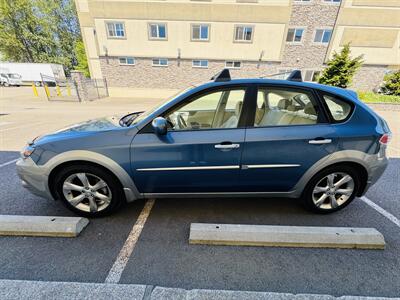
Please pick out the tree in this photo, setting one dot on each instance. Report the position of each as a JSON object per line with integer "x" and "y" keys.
{"x": 341, "y": 68}
{"x": 39, "y": 31}
{"x": 82, "y": 59}
{"x": 391, "y": 84}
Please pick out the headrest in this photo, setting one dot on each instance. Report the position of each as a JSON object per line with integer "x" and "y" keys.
{"x": 309, "y": 109}
{"x": 238, "y": 108}
{"x": 283, "y": 103}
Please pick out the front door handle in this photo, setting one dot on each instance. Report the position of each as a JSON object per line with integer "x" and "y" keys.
{"x": 320, "y": 141}
{"x": 226, "y": 146}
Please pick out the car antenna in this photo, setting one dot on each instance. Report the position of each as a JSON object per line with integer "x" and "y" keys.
{"x": 294, "y": 75}
{"x": 224, "y": 75}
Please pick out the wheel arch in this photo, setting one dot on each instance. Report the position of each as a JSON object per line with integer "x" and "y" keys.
{"x": 356, "y": 159}
{"x": 93, "y": 158}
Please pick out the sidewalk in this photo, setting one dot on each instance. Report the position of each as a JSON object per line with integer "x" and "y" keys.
{"x": 19, "y": 289}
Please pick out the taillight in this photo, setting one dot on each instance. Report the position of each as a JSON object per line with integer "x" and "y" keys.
{"x": 385, "y": 139}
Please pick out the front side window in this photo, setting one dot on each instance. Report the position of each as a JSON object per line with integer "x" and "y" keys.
{"x": 160, "y": 62}
{"x": 243, "y": 33}
{"x": 200, "y": 32}
{"x": 233, "y": 64}
{"x": 339, "y": 109}
{"x": 217, "y": 109}
{"x": 115, "y": 29}
{"x": 322, "y": 36}
{"x": 158, "y": 31}
{"x": 281, "y": 107}
{"x": 294, "y": 35}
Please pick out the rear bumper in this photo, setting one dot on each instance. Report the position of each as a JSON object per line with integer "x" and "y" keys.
{"x": 33, "y": 177}
{"x": 374, "y": 174}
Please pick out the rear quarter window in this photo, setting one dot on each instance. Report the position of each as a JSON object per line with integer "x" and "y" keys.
{"x": 339, "y": 109}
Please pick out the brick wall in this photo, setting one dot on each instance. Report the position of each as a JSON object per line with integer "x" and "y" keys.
{"x": 144, "y": 75}
{"x": 308, "y": 54}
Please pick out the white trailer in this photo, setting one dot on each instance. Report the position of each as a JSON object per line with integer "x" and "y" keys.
{"x": 34, "y": 72}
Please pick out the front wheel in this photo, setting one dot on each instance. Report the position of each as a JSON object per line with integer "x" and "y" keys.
{"x": 331, "y": 189}
{"x": 89, "y": 191}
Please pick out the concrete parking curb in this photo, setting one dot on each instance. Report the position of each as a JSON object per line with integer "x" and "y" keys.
{"x": 27, "y": 290}
{"x": 286, "y": 236}
{"x": 42, "y": 226}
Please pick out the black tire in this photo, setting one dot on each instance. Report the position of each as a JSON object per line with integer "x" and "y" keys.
{"x": 307, "y": 196}
{"x": 117, "y": 195}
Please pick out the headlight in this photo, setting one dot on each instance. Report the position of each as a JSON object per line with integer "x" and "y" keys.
{"x": 27, "y": 151}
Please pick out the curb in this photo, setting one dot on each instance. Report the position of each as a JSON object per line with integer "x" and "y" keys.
{"x": 28, "y": 290}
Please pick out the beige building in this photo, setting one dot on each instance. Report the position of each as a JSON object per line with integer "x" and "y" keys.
{"x": 164, "y": 45}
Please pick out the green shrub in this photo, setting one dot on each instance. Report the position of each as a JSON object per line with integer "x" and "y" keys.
{"x": 341, "y": 68}
{"x": 391, "y": 85}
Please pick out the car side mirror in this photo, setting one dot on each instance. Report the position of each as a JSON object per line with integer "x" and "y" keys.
{"x": 160, "y": 125}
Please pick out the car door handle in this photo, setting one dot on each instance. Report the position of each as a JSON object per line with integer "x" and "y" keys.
{"x": 226, "y": 146}
{"x": 320, "y": 141}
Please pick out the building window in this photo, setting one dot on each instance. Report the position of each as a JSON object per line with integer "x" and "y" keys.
{"x": 200, "y": 32}
{"x": 311, "y": 75}
{"x": 158, "y": 31}
{"x": 294, "y": 35}
{"x": 160, "y": 62}
{"x": 115, "y": 29}
{"x": 243, "y": 33}
{"x": 332, "y": 1}
{"x": 322, "y": 36}
{"x": 305, "y": 1}
{"x": 233, "y": 64}
{"x": 127, "y": 61}
{"x": 200, "y": 63}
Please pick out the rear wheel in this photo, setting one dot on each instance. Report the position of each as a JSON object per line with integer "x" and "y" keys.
{"x": 331, "y": 189}
{"x": 89, "y": 191}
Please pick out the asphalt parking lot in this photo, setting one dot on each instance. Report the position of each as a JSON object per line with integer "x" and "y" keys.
{"x": 163, "y": 256}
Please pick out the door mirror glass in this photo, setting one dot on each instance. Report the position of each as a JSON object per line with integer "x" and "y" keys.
{"x": 160, "y": 126}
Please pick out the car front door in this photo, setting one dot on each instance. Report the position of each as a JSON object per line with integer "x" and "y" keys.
{"x": 201, "y": 151}
{"x": 289, "y": 133}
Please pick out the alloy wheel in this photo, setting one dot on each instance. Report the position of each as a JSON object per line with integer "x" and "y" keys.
{"x": 87, "y": 192}
{"x": 333, "y": 190}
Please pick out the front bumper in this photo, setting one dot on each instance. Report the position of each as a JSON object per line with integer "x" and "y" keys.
{"x": 33, "y": 177}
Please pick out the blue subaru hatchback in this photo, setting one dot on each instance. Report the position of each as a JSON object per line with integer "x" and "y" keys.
{"x": 245, "y": 137}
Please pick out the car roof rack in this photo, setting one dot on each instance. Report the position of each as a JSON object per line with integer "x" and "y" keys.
{"x": 224, "y": 75}
{"x": 294, "y": 75}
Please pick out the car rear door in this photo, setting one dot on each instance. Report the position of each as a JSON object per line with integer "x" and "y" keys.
{"x": 201, "y": 151}
{"x": 288, "y": 134}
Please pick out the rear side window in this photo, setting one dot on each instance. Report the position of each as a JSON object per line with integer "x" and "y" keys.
{"x": 338, "y": 108}
{"x": 285, "y": 107}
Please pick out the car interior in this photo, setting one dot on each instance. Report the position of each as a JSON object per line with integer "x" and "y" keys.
{"x": 282, "y": 107}
{"x": 222, "y": 109}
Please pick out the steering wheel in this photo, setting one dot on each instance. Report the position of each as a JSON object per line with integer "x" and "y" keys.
{"x": 181, "y": 122}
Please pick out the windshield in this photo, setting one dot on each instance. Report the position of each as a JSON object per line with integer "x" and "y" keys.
{"x": 14, "y": 76}
{"x": 150, "y": 111}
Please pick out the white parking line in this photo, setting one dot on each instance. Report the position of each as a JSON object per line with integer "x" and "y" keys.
{"x": 383, "y": 212}
{"x": 8, "y": 163}
{"x": 120, "y": 263}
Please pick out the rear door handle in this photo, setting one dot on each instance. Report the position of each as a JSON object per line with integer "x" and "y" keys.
{"x": 226, "y": 146}
{"x": 318, "y": 141}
